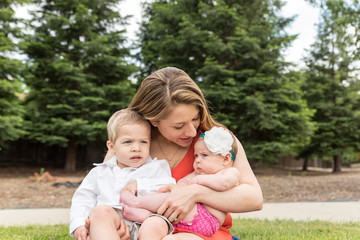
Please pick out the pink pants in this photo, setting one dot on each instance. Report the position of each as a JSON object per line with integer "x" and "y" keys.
{"x": 203, "y": 223}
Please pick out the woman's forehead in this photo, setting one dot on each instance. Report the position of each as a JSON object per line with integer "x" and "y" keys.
{"x": 182, "y": 113}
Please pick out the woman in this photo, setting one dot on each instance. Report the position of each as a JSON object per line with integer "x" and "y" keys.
{"x": 178, "y": 113}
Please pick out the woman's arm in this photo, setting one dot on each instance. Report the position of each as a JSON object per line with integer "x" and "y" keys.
{"x": 245, "y": 197}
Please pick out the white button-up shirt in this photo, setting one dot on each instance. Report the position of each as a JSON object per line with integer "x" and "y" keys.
{"x": 104, "y": 182}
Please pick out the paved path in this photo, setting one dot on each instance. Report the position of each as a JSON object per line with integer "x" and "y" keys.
{"x": 330, "y": 211}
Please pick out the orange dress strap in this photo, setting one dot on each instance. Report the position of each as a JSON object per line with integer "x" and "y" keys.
{"x": 181, "y": 170}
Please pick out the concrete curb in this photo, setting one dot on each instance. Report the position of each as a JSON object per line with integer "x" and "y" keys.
{"x": 306, "y": 211}
{"x": 28, "y": 216}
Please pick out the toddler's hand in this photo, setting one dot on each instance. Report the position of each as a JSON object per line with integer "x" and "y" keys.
{"x": 131, "y": 187}
{"x": 81, "y": 233}
{"x": 194, "y": 180}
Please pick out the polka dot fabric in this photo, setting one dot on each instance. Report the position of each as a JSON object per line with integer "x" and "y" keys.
{"x": 203, "y": 223}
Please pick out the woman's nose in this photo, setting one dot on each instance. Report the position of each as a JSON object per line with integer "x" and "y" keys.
{"x": 191, "y": 130}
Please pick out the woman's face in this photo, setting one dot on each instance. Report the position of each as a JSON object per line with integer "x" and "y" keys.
{"x": 181, "y": 124}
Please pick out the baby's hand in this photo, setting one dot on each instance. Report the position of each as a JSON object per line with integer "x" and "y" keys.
{"x": 131, "y": 187}
{"x": 185, "y": 181}
{"x": 80, "y": 233}
{"x": 195, "y": 180}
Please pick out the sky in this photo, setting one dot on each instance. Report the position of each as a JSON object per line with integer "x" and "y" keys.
{"x": 304, "y": 24}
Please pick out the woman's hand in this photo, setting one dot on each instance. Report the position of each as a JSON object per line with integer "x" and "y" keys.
{"x": 123, "y": 231}
{"x": 180, "y": 201}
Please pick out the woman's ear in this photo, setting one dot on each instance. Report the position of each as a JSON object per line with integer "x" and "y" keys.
{"x": 154, "y": 123}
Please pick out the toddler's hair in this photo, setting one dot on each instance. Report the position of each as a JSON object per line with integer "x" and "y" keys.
{"x": 121, "y": 118}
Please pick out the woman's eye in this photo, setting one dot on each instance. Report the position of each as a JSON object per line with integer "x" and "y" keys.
{"x": 196, "y": 118}
{"x": 178, "y": 128}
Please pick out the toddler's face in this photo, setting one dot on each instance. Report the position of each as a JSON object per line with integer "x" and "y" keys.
{"x": 132, "y": 146}
{"x": 205, "y": 161}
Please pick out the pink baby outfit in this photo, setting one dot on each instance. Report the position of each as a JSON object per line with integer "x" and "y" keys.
{"x": 203, "y": 223}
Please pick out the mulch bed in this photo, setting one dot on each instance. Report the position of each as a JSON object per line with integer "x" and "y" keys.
{"x": 278, "y": 185}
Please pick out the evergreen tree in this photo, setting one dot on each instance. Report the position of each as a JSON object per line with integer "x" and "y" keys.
{"x": 11, "y": 111}
{"x": 331, "y": 82}
{"x": 78, "y": 75}
{"x": 233, "y": 50}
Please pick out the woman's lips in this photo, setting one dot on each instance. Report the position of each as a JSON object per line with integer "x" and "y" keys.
{"x": 186, "y": 140}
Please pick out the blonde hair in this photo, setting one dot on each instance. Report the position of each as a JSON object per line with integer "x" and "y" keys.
{"x": 166, "y": 88}
{"x": 121, "y": 118}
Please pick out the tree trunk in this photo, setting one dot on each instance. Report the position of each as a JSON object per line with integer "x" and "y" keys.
{"x": 305, "y": 164}
{"x": 70, "y": 161}
{"x": 337, "y": 163}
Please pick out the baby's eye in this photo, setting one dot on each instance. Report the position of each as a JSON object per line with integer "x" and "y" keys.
{"x": 204, "y": 155}
{"x": 144, "y": 142}
{"x": 127, "y": 142}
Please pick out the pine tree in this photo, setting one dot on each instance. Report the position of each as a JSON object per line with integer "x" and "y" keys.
{"x": 78, "y": 75}
{"x": 233, "y": 49}
{"x": 11, "y": 110}
{"x": 331, "y": 82}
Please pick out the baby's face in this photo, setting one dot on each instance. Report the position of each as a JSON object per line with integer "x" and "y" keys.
{"x": 205, "y": 161}
{"x": 132, "y": 146}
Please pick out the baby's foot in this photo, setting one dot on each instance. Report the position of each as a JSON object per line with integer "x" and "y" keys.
{"x": 135, "y": 214}
{"x": 129, "y": 199}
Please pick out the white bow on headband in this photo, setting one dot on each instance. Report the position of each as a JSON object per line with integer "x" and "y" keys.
{"x": 218, "y": 140}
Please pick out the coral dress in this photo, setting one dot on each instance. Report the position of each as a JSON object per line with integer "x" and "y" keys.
{"x": 181, "y": 170}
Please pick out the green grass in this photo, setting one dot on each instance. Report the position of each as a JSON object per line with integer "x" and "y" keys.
{"x": 287, "y": 229}
{"x": 35, "y": 232}
{"x": 243, "y": 228}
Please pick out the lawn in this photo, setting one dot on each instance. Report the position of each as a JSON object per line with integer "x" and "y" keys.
{"x": 243, "y": 228}
{"x": 289, "y": 229}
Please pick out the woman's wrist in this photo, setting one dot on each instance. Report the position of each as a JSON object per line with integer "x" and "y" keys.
{"x": 199, "y": 192}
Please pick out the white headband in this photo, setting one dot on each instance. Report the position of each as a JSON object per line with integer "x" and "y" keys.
{"x": 218, "y": 140}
